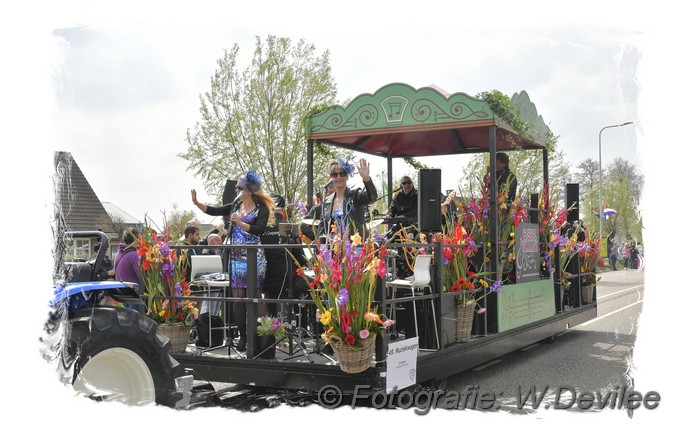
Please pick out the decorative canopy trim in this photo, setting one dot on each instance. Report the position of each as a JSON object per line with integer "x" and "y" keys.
{"x": 399, "y": 120}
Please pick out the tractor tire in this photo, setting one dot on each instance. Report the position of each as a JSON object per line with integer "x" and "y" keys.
{"x": 117, "y": 354}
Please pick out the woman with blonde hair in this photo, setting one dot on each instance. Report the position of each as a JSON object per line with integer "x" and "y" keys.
{"x": 250, "y": 213}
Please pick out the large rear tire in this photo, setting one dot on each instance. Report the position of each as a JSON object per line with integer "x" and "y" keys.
{"x": 117, "y": 354}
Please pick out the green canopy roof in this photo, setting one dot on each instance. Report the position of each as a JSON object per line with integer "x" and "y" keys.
{"x": 399, "y": 120}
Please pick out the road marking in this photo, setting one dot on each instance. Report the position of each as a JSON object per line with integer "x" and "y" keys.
{"x": 618, "y": 292}
{"x": 610, "y": 313}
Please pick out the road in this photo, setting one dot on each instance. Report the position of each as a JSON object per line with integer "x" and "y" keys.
{"x": 591, "y": 357}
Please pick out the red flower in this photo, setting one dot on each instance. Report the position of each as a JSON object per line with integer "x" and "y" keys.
{"x": 349, "y": 339}
{"x": 146, "y": 265}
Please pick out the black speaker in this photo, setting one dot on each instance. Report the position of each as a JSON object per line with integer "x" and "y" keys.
{"x": 533, "y": 213}
{"x": 229, "y": 193}
{"x": 571, "y": 201}
{"x": 429, "y": 199}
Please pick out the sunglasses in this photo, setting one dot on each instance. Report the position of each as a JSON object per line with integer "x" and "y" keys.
{"x": 337, "y": 174}
{"x": 407, "y": 183}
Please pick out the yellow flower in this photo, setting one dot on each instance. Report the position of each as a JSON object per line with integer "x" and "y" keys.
{"x": 161, "y": 313}
{"x": 512, "y": 234}
{"x": 488, "y": 244}
{"x": 511, "y": 243}
{"x": 487, "y": 259}
{"x": 371, "y": 317}
{"x": 326, "y": 317}
{"x": 356, "y": 239}
{"x": 484, "y": 283}
{"x": 323, "y": 278}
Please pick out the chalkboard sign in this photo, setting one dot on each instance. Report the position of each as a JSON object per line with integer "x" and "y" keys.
{"x": 528, "y": 257}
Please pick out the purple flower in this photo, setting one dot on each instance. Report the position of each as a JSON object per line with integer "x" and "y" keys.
{"x": 164, "y": 250}
{"x": 496, "y": 286}
{"x": 342, "y": 297}
{"x": 178, "y": 289}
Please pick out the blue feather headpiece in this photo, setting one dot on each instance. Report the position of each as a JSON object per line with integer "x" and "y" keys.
{"x": 347, "y": 165}
{"x": 251, "y": 180}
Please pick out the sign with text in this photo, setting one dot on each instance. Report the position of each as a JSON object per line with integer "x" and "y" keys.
{"x": 402, "y": 357}
{"x": 528, "y": 256}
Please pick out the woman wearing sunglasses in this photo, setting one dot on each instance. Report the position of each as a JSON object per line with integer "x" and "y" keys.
{"x": 250, "y": 213}
{"x": 346, "y": 207}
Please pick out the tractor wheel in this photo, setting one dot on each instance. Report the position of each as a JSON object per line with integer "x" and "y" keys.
{"x": 117, "y": 354}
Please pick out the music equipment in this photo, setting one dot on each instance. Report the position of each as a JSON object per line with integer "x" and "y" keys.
{"x": 228, "y": 195}
{"x": 429, "y": 200}
{"x": 571, "y": 201}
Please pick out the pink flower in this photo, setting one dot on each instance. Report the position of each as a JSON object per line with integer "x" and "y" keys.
{"x": 363, "y": 334}
{"x": 481, "y": 310}
{"x": 389, "y": 322}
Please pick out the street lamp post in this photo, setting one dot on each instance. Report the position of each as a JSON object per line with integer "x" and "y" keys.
{"x": 600, "y": 161}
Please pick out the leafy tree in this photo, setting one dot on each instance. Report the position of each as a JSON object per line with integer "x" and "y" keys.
{"x": 621, "y": 187}
{"x": 254, "y": 119}
{"x": 176, "y": 221}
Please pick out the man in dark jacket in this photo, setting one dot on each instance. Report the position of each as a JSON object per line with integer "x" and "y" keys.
{"x": 405, "y": 203}
{"x": 505, "y": 178}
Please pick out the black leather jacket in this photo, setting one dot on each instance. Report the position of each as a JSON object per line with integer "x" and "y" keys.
{"x": 354, "y": 209}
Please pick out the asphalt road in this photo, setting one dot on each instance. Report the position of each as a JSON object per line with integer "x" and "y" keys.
{"x": 592, "y": 357}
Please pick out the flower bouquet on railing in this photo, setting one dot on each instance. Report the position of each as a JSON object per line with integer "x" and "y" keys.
{"x": 345, "y": 279}
{"x": 162, "y": 272}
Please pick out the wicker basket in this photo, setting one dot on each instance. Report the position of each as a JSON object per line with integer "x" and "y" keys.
{"x": 587, "y": 294}
{"x": 464, "y": 316}
{"x": 178, "y": 335}
{"x": 354, "y": 360}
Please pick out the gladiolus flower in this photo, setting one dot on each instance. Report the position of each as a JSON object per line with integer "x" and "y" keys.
{"x": 389, "y": 322}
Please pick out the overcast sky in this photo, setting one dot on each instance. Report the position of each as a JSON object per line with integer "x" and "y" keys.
{"x": 118, "y": 85}
{"x": 128, "y": 91}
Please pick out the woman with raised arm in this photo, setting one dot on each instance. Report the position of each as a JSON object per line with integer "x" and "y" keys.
{"x": 249, "y": 214}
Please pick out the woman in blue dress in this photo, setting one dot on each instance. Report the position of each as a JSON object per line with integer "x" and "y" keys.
{"x": 250, "y": 213}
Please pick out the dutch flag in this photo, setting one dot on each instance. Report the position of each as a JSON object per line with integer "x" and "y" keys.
{"x": 607, "y": 213}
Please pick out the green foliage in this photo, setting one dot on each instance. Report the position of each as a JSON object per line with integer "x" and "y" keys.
{"x": 621, "y": 187}
{"x": 176, "y": 223}
{"x": 254, "y": 118}
{"x": 415, "y": 164}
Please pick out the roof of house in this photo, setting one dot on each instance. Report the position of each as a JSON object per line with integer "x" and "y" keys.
{"x": 79, "y": 205}
{"x": 119, "y": 215}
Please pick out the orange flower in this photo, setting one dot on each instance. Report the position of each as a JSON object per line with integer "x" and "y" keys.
{"x": 461, "y": 282}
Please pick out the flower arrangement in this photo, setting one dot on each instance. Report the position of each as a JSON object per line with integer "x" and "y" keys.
{"x": 271, "y": 326}
{"x": 572, "y": 242}
{"x": 459, "y": 274}
{"x": 345, "y": 275}
{"x": 589, "y": 257}
{"x": 163, "y": 272}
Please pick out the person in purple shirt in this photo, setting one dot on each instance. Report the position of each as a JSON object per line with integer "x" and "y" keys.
{"x": 126, "y": 264}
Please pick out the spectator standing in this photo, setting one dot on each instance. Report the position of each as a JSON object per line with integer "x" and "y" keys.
{"x": 613, "y": 254}
{"x": 126, "y": 263}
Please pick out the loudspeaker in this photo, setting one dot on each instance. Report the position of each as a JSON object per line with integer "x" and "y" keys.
{"x": 533, "y": 213}
{"x": 571, "y": 198}
{"x": 429, "y": 199}
{"x": 229, "y": 193}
